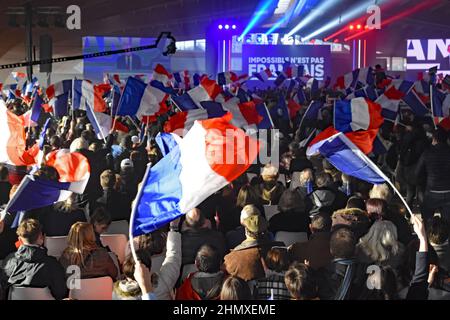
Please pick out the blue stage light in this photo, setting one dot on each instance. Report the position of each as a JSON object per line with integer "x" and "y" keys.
{"x": 227, "y": 26}
{"x": 220, "y": 26}
{"x": 256, "y": 17}
{"x": 233, "y": 27}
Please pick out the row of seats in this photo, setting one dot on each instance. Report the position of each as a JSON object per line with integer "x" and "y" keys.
{"x": 90, "y": 289}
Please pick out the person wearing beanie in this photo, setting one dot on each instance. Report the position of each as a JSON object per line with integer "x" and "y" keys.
{"x": 244, "y": 261}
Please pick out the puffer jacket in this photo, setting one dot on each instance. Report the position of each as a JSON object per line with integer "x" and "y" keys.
{"x": 356, "y": 219}
{"x": 30, "y": 266}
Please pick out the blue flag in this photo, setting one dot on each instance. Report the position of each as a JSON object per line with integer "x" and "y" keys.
{"x": 43, "y": 133}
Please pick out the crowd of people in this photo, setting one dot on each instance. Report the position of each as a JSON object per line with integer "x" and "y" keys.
{"x": 356, "y": 240}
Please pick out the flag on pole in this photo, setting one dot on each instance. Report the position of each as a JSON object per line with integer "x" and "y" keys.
{"x": 357, "y": 114}
{"x": 191, "y": 172}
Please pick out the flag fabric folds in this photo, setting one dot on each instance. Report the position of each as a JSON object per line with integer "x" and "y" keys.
{"x": 191, "y": 172}
{"x": 357, "y": 114}
{"x": 345, "y": 156}
{"x": 12, "y": 139}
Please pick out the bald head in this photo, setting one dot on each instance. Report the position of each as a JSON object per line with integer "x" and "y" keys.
{"x": 195, "y": 219}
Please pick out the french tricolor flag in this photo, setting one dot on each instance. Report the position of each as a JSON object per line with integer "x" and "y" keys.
{"x": 162, "y": 75}
{"x": 208, "y": 90}
{"x": 244, "y": 114}
{"x": 58, "y": 94}
{"x": 33, "y": 192}
{"x": 389, "y": 102}
{"x": 440, "y": 101}
{"x": 264, "y": 75}
{"x": 345, "y": 156}
{"x": 357, "y": 114}
{"x": 293, "y": 70}
{"x": 12, "y": 140}
{"x": 141, "y": 99}
{"x": 207, "y": 159}
{"x": 183, "y": 79}
{"x": 18, "y": 75}
{"x": 182, "y": 122}
{"x": 85, "y": 93}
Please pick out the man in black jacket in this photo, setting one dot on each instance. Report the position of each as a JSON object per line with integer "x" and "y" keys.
{"x": 30, "y": 266}
{"x": 434, "y": 164}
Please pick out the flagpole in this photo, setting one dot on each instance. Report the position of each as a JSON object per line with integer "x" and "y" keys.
{"x": 134, "y": 123}
{"x": 431, "y": 102}
{"x": 175, "y": 104}
{"x": 303, "y": 118}
{"x": 133, "y": 213}
{"x": 270, "y": 117}
{"x": 96, "y": 121}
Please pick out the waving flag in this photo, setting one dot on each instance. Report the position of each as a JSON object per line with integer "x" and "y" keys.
{"x": 244, "y": 114}
{"x": 362, "y": 139}
{"x": 357, "y": 114}
{"x": 208, "y": 90}
{"x": 184, "y": 102}
{"x": 71, "y": 166}
{"x": 12, "y": 139}
{"x": 345, "y": 156}
{"x": 293, "y": 70}
{"x": 410, "y": 97}
{"x": 224, "y": 78}
{"x": 348, "y": 80}
{"x": 141, "y": 99}
{"x": 18, "y": 75}
{"x": 440, "y": 102}
{"x": 182, "y": 122}
{"x": 34, "y": 193}
{"x": 183, "y": 79}
{"x": 43, "y": 134}
{"x": 389, "y": 102}
{"x": 101, "y": 122}
{"x": 58, "y": 94}
{"x": 85, "y": 93}
{"x": 266, "y": 122}
{"x": 36, "y": 108}
{"x": 293, "y": 107}
{"x": 313, "y": 86}
{"x": 162, "y": 75}
{"x": 280, "y": 110}
{"x": 264, "y": 76}
{"x": 198, "y": 166}
{"x": 313, "y": 111}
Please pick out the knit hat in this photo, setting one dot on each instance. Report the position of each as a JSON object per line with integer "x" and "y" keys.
{"x": 256, "y": 224}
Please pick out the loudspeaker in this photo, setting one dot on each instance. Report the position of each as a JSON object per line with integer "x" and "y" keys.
{"x": 45, "y": 52}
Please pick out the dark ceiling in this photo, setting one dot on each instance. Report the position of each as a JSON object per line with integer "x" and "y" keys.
{"x": 188, "y": 19}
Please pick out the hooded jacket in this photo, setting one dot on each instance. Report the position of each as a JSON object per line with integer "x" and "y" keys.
{"x": 30, "y": 266}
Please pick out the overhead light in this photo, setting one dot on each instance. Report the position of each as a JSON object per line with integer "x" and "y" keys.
{"x": 315, "y": 13}
{"x": 256, "y": 17}
{"x": 220, "y": 26}
{"x": 233, "y": 27}
{"x": 227, "y": 26}
{"x": 378, "y": 52}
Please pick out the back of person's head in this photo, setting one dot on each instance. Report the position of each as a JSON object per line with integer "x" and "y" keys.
{"x": 95, "y": 146}
{"x": 30, "y": 231}
{"x": 79, "y": 144}
{"x": 291, "y": 200}
{"x": 154, "y": 242}
{"x": 355, "y": 219}
{"x": 324, "y": 179}
{"x": 4, "y": 173}
{"x": 381, "y": 191}
{"x": 277, "y": 259}
{"x": 107, "y": 179}
{"x": 47, "y": 173}
{"x": 126, "y": 142}
{"x": 355, "y": 202}
{"x": 208, "y": 259}
{"x": 255, "y": 227}
{"x": 269, "y": 172}
{"x": 135, "y": 156}
{"x": 247, "y": 195}
{"x": 87, "y": 136}
{"x": 55, "y": 142}
{"x": 438, "y": 230}
{"x": 383, "y": 285}
{"x": 248, "y": 211}
{"x": 320, "y": 222}
{"x": 440, "y": 136}
{"x": 300, "y": 282}
{"x": 380, "y": 243}
{"x": 100, "y": 219}
{"x": 306, "y": 175}
{"x": 342, "y": 243}
{"x": 376, "y": 208}
{"x": 234, "y": 288}
{"x": 128, "y": 265}
{"x": 81, "y": 241}
{"x": 195, "y": 219}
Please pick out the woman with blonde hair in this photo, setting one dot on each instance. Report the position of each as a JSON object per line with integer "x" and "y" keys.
{"x": 381, "y": 246}
{"x": 83, "y": 252}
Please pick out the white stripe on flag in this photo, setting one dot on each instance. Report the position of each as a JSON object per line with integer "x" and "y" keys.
{"x": 360, "y": 114}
